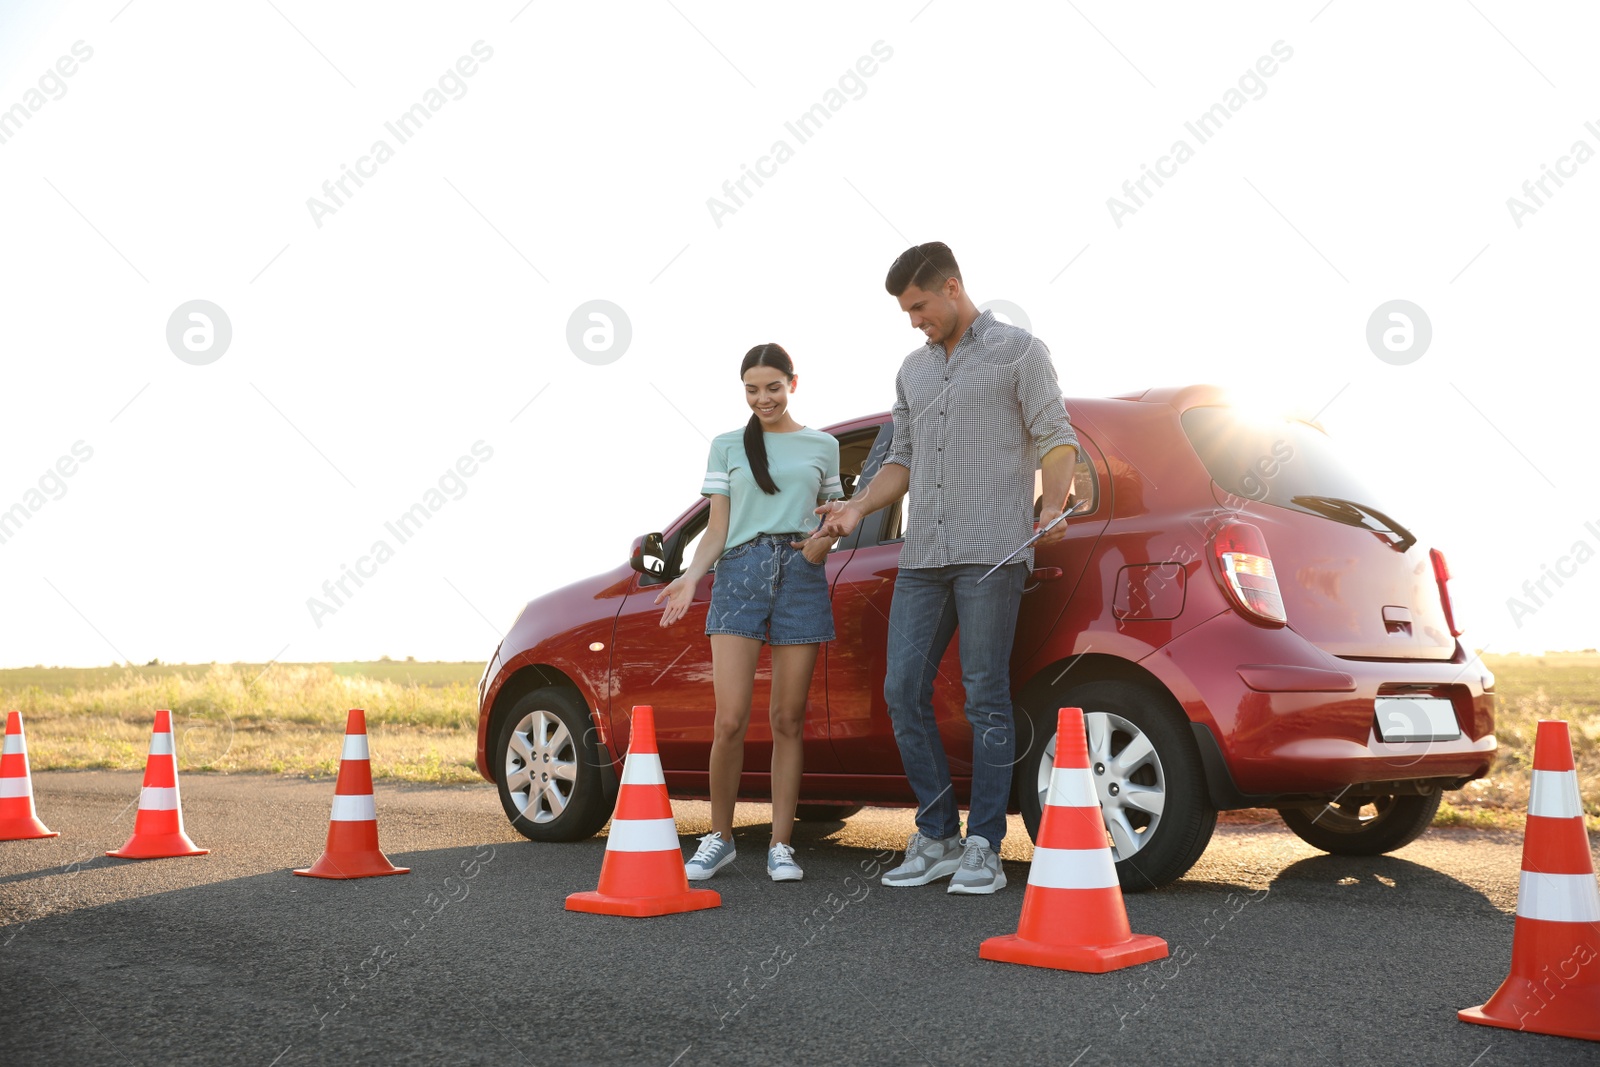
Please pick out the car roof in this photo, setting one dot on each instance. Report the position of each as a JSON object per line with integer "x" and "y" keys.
{"x": 1180, "y": 397}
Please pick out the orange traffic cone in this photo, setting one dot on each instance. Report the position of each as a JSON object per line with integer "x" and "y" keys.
{"x": 352, "y": 850}
{"x": 1072, "y": 913}
{"x": 158, "y": 826}
{"x": 18, "y": 820}
{"x": 643, "y": 873}
{"x": 1552, "y": 988}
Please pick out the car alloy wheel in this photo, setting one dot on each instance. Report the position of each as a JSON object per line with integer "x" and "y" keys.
{"x": 555, "y": 781}
{"x": 541, "y": 766}
{"x": 1146, "y": 768}
{"x": 1127, "y": 776}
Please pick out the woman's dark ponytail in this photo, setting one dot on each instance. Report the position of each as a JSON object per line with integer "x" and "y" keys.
{"x": 755, "y": 442}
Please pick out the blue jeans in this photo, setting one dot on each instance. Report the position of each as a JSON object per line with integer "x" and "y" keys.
{"x": 929, "y": 604}
{"x": 767, "y": 591}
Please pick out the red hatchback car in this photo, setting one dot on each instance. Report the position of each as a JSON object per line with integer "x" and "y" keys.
{"x": 1241, "y": 624}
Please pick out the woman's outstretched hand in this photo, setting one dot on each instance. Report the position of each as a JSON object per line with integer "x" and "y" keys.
{"x": 678, "y": 596}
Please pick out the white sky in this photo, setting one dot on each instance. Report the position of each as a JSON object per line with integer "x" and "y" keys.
{"x": 372, "y": 352}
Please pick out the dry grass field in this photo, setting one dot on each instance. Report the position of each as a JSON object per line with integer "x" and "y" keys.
{"x": 284, "y": 719}
{"x": 1559, "y": 685}
{"x": 288, "y": 719}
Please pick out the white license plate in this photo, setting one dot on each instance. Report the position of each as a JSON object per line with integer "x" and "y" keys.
{"x": 1416, "y": 719}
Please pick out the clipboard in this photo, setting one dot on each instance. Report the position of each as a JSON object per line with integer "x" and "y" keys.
{"x": 1077, "y": 509}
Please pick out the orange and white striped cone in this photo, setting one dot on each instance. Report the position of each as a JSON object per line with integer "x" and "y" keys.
{"x": 643, "y": 872}
{"x": 18, "y": 819}
{"x": 1554, "y": 985}
{"x": 158, "y": 826}
{"x": 1073, "y": 918}
{"x": 352, "y": 850}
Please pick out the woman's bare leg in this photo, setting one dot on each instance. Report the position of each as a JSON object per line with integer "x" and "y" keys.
{"x": 733, "y": 675}
{"x": 792, "y": 666}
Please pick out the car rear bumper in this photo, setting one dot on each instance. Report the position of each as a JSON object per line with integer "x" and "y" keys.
{"x": 1279, "y": 719}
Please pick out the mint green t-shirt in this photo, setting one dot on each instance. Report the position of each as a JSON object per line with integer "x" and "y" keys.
{"x": 804, "y": 465}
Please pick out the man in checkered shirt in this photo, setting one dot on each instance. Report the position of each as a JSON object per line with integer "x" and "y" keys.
{"x": 977, "y": 411}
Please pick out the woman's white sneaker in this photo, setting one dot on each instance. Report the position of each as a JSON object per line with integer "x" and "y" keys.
{"x": 715, "y": 852}
{"x": 781, "y": 866}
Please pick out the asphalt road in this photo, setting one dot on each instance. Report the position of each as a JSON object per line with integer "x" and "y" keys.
{"x": 1280, "y": 955}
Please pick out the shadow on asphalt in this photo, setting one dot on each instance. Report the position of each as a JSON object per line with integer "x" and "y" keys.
{"x": 93, "y": 863}
{"x": 472, "y": 958}
{"x": 1381, "y": 883}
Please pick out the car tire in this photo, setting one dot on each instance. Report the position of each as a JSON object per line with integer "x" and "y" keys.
{"x": 825, "y": 812}
{"x": 546, "y": 760}
{"x": 1146, "y": 758}
{"x": 1345, "y": 826}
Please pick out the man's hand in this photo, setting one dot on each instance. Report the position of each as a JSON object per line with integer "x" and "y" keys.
{"x": 1056, "y": 470}
{"x": 678, "y": 596}
{"x": 839, "y": 519}
{"x": 1047, "y": 515}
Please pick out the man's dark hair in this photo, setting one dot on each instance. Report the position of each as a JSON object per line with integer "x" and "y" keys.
{"x": 925, "y": 266}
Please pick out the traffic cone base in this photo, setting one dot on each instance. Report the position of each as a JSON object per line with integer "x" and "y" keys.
{"x": 158, "y": 847}
{"x": 351, "y": 865}
{"x": 1553, "y": 987}
{"x": 644, "y": 907}
{"x": 352, "y": 850}
{"x": 1073, "y": 917}
{"x": 158, "y": 832}
{"x": 643, "y": 872}
{"x": 18, "y": 819}
{"x": 1548, "y": 1002}
{"x": 28, "y": 829}
{"x": 1091, "y": 959}
{"x": 643, "y": 868}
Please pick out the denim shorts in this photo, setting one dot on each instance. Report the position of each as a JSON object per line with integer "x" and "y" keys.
{"x": 768, "y": 591}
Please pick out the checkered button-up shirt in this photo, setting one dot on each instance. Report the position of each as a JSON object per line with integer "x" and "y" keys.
{"x": 971, "y": 429}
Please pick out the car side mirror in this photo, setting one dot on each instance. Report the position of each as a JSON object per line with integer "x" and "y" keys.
{"x": 649, "y": 555}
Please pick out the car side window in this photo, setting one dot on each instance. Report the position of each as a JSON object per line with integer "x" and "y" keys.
{"x": 1085, "y": 485}
{"x": 695, "y": 530}
{"x": 854, "y": 451}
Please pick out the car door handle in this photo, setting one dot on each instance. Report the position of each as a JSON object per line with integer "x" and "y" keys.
{"x": 1396, "y": 619}
{"x": 1046, "y": 574}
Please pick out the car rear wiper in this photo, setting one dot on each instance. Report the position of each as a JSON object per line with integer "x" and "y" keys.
{"x": 1352, "y": 513}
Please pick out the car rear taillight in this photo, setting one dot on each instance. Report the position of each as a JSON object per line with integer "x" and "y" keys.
{"x": 1247, "y": 574}
{"x": 1441, "y": 574}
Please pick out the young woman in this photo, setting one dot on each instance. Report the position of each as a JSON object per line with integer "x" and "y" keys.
{"x": 765, "y": 482}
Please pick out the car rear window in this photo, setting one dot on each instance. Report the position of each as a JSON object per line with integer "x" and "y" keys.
{"x": 1272, "y": 460}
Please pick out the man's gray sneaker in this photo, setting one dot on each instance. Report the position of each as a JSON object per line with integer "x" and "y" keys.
{"x": 927, "y": 860}
{"x": 715, "y": 852}
{"x": 979, "y": 871}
